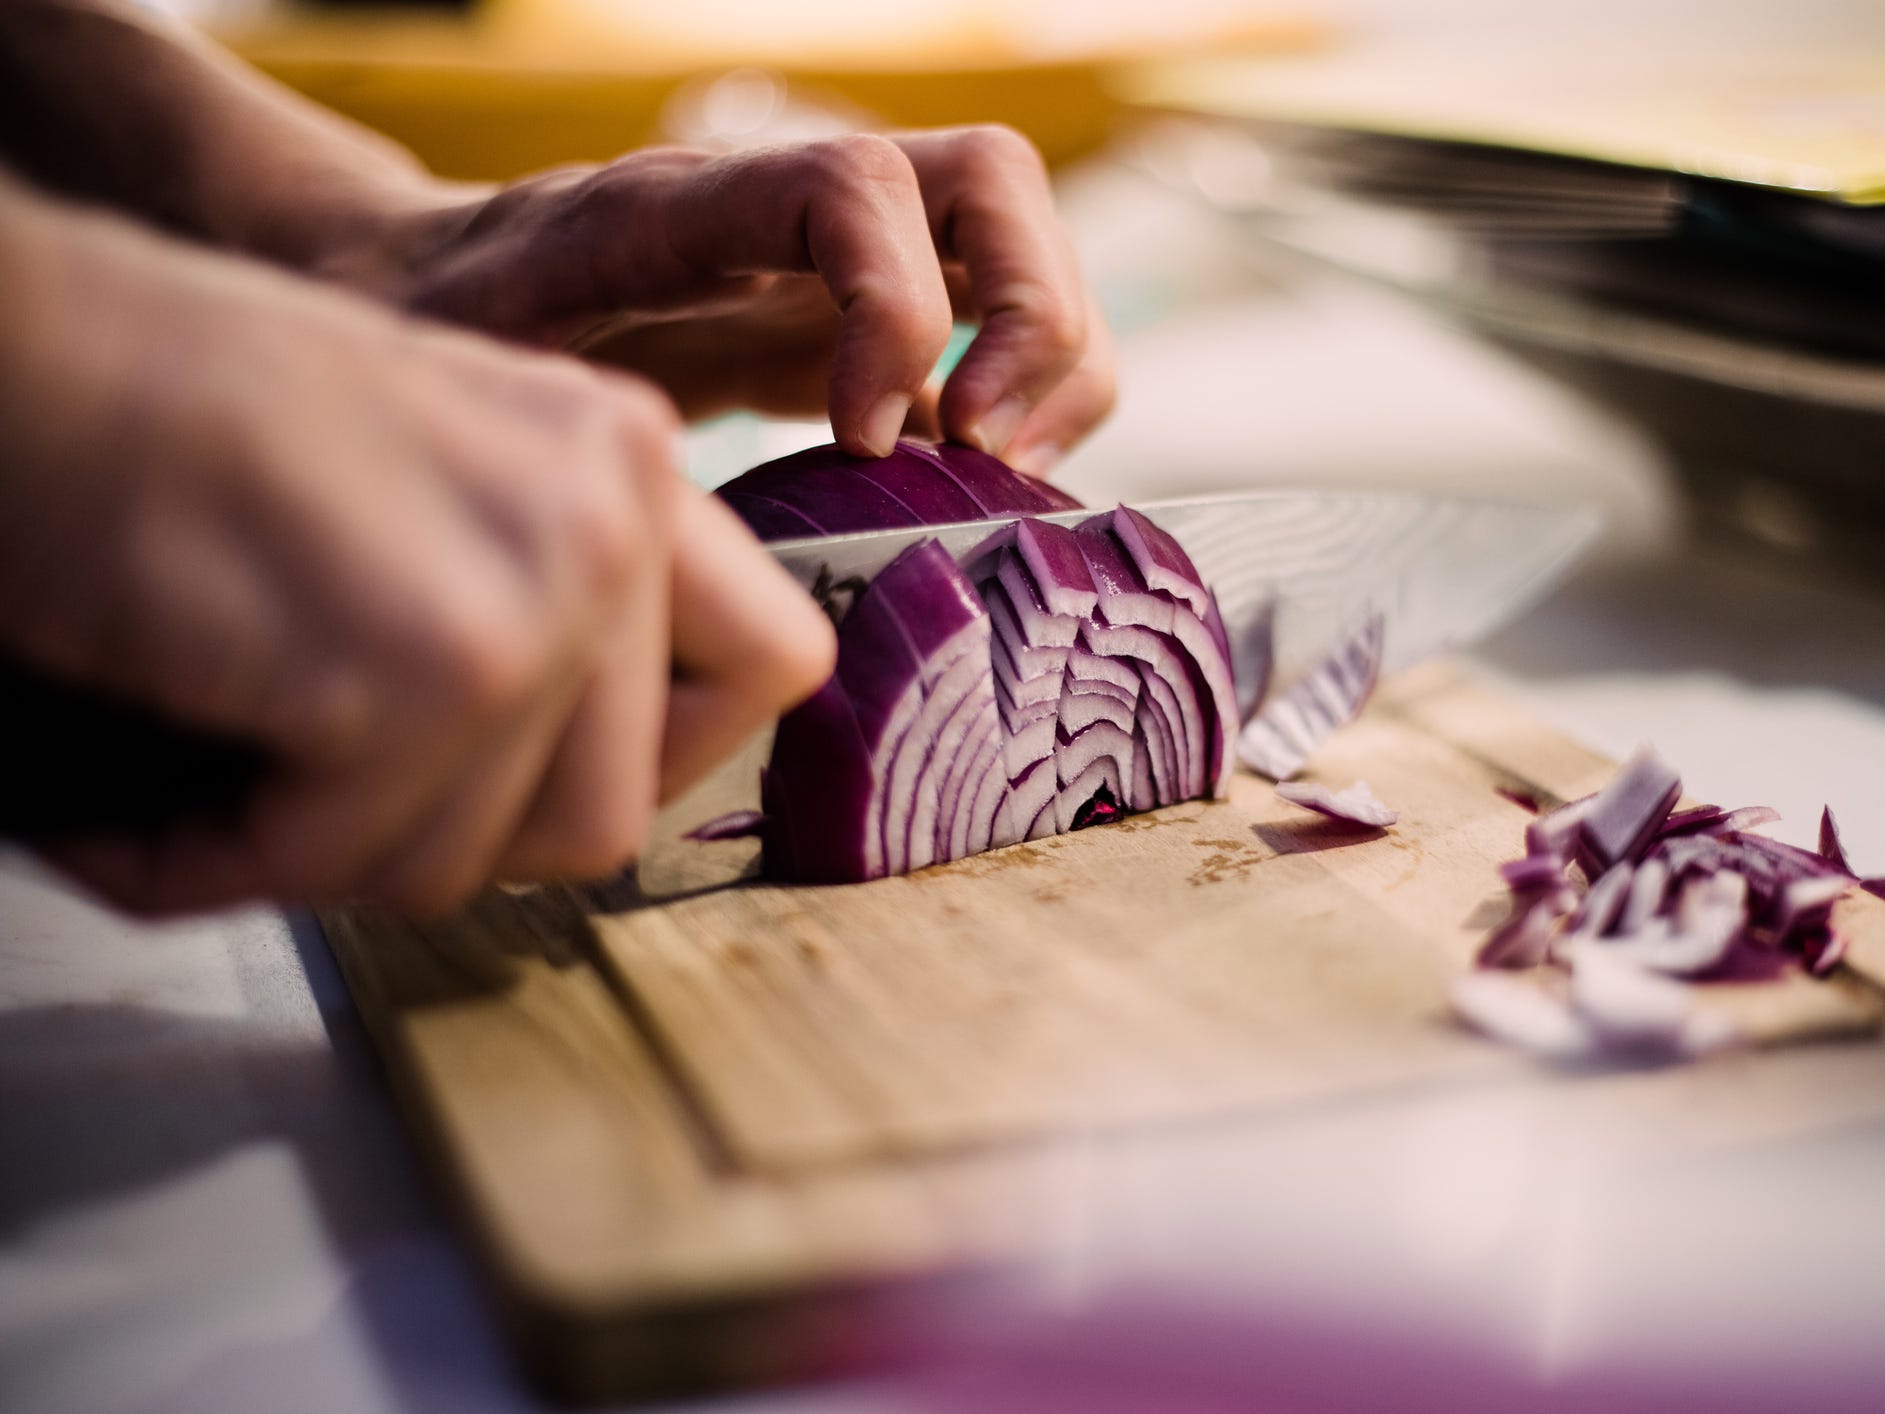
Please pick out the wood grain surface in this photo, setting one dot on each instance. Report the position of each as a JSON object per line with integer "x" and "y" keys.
{"x": 693, "y": 1124}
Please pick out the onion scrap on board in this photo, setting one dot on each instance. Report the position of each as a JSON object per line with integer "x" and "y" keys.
{"x": 1358, "y": 804}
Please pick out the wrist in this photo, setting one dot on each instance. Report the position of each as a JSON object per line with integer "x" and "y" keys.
{"x": 367, "y": 236}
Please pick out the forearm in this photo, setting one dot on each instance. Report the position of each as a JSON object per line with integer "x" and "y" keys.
{"x": 103, "y": 102}
{"x": 41, "y": 242}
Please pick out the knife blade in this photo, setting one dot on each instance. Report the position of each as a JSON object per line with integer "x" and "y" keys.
{"x": 1442, "y": 570}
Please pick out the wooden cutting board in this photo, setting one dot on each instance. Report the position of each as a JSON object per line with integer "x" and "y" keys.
{"x": 689, "y": 1121}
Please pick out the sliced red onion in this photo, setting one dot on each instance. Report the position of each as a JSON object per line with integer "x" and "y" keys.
{"x": 1525, "y": 938}
{"x": 854, "y": 785}
{"x": 1056, "y": 679}
{"x": 1787, "y": 860}
{"x": 1533, "y": 872}
{"x": 1599, "y": 910}
{"x": 1832, "y": 847}
{"x": 1690, "y": 894}
{"x": 1710, "y": 913}
{"x": 1822, "y": 949}
{"x": 1252, "y": 657}
{"x": 1279, "y": 740}
{"x": 1518, "y": 1012}
{"x": 1553, "y": 834}
{"x": 1523, "y": 799}
{"x": 1633, "y": 1010}
{"x": 1688, "y": 822}
{"x": 1804, "y": 904}
{"x": 1625, "y": 815}
{"x": 1609, "y": 1007}
{"x": 1833, "y": 850}
{"x": 1748, "y": 817}
{"x": 1649, "y": 886}
{"x": 1357, "y": 804}
{"x": 734, "y": 825}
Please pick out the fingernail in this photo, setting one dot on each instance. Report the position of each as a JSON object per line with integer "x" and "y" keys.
{"x": 1000, "y": 423}
{"x": 883, "y": 424}
{"x": 1037, "y": 460}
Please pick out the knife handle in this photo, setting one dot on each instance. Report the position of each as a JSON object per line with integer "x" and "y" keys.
{"x": 86, "y": 763}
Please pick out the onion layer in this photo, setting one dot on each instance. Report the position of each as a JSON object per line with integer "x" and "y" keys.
{"x": 1280, "y": 739}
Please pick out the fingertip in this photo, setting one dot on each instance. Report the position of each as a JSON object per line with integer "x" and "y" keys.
{"x": 883, "y": 424}
{"x": 1038, "y": 461}
{"x": 187, "y": 871}
{"x": 996, "y": 428}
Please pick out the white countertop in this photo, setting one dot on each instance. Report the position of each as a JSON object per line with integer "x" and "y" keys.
{"x": 206, "y": 1204}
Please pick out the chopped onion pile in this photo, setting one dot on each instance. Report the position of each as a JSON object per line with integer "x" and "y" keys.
{"x": 1057, "y": 679}
{"x": 1279, "y": 740}
{"x": 1622, "y": 895}
{"x": 1357, "y": 804}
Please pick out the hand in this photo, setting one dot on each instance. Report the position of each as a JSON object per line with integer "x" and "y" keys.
{"x": 443, "y": 582}
{"x": 823, "y": 274}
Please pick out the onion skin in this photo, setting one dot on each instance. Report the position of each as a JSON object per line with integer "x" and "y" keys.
{"x": 1056, "y": 679}
{"x": 827, "y": 491}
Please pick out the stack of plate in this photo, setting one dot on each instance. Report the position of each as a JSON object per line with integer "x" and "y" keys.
{"x": 1703, "y": 249}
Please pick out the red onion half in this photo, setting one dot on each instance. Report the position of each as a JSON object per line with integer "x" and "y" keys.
{"x": 1057, "y": 678}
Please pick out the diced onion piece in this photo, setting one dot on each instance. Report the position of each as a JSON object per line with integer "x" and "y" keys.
{"x": 1832, "y": 847}
{"x": 1637, "y": 1011}
{"x": 1519, "y": 1012}
{"x": 1357, "y": 803}
{"x": 1710, "y": 913}
{"x": 1625, "y": 815}
{"x": 1525, "y": 938}
{"x": 1554, "y": 833}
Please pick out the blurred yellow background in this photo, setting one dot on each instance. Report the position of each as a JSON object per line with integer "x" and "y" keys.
{"x": 520, "y": 84}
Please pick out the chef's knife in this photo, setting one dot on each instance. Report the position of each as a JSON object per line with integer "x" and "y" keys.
{"x": 1441, "y": 570}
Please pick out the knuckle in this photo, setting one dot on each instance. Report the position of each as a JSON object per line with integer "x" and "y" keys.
{"x": 804, "y": 656}
{"x": 647, "y": 422}
{"x": 605, "y": 536}
{"x": 1063, "y": 331}
{"x": 568, "y": 391}
{"x": 917, "y": 324}
{"x": 432, "y": 892}
{"x": 864, "y": 158}
{"x": 607, "y": 838}
{"x": 486, "y": 666}
{"x": 998, "y": 148}
{"x": 1058, "y": 323}
{"x": 137, "y": 898}
{"x": 299, "y": 855}
{"x": 1103, "y": 396}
